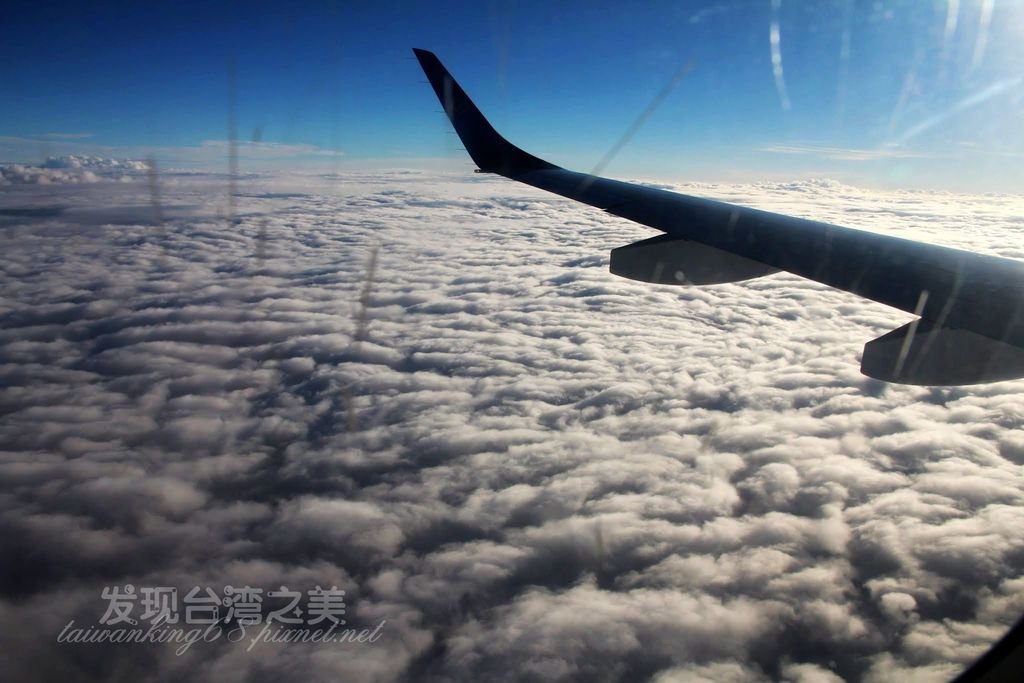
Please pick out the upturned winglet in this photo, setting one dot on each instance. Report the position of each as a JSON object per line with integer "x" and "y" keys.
{"x": 491, "y": 152}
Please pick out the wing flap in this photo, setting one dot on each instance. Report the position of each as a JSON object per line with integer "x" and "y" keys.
{"x": 923, "y": 353}
{"x": 667, "y": 260}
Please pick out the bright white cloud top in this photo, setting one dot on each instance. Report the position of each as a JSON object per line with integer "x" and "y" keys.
{"x": 526, "y": 466}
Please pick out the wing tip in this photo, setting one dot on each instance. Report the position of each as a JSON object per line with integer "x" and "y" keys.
{"x": 491, "y": 152}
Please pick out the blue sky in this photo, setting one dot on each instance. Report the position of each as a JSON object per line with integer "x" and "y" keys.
{"x": 906, "y": 93}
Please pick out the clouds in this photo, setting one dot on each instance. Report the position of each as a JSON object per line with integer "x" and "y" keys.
{"x": 526, "y": 466}
{"x": 67, "y": 136}
{"x": 71, "y": 169}
{"x": 76, "y": 151}
{"x": 844, "y": 154}
{"x": 262, "y": 150}
{"x": 17, "y": 174}
{"x": 100, "y": 164}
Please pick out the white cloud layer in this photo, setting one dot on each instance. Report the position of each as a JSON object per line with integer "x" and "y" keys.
{"x": 844, "y": 154}
{"x": 208, "y": 155}
{"x": 19, "y": 174}
{"x": 71, "y": 170}
{"x": 528, "y": 467}
{"x": 99, "y": 164}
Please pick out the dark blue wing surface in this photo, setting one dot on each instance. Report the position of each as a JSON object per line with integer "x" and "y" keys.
{"x": 972, "y": 304}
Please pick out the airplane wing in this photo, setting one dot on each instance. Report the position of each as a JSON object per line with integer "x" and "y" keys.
{"x": 967, "y": 327}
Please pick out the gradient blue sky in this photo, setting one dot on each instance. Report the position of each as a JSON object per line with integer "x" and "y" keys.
{"x": 907, "y": 93}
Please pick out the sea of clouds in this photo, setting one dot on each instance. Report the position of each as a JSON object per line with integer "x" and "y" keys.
{"x": 428, "y": 391}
